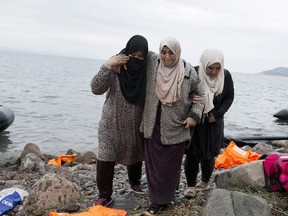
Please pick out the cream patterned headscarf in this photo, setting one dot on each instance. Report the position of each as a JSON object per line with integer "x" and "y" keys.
{"x": 169, "y": 79}
{"x": 212, "y": 86}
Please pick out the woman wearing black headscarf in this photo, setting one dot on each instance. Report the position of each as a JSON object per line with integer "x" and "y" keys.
{"x": 119, "y": 138}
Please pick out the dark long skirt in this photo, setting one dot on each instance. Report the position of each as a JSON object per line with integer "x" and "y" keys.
{"x": 163, "y": 167}
{"x": 205, "y": 145}
{"x": 208, "y": 139}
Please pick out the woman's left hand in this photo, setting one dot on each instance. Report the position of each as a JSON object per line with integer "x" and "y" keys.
{"x": 211, "y": 118}
{"x": 189, "y": 122}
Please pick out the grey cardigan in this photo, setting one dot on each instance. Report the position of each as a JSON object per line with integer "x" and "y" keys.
{"x": 172, "y": 117}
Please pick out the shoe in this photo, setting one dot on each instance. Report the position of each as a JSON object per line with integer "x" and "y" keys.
{"x": 153, "y": 209}
{"x": 104, "y": 201}
{"x": 190, "y": 192}
{"x": 202, "y": 186}
{"x": 139, "y": 189}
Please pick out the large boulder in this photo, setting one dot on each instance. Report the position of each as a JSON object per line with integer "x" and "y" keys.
{"x": 246, "y": 175}
{"x": 33, "y": 148}
{"x": 222, "y": 202}
{"x": 50, "y": 191}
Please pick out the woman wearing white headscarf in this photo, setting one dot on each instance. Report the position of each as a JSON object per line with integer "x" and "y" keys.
{"x": 208, "y": 136}
{"x": 168, "y": 116}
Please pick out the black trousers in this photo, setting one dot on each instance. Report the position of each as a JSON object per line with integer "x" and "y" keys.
{"x": 191, "y": 167}
{"x": 105, "y": 175}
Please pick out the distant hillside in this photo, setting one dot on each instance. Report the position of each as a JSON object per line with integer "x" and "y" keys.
{"x": 280, "y": 71}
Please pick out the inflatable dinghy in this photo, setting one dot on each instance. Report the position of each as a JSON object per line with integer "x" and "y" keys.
{"x": 282, "y": 114}
{"x": 6, "y": 117}
{"x": 252, "y": 141}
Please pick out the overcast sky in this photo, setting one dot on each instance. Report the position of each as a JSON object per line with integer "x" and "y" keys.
{"x": 253, "y": 34}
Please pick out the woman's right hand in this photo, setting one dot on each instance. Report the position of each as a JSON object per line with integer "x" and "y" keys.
{"x": 115, "y": 62}
{"x": 196, "y": 99}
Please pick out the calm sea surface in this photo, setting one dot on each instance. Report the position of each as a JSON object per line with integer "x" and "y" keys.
{"x": 55, "y": 109}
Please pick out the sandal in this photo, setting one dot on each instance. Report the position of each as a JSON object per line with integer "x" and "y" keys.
{"x": 190, "y": 192}
{"x": 153, "y": 209}
{"x": 202, "y": 186}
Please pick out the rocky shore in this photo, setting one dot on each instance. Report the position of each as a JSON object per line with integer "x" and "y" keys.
{"x": 72, "y": 187}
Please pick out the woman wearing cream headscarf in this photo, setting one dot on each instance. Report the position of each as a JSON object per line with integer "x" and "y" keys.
{"x": 169, "y": 114}
{"x": 208, "y": 136}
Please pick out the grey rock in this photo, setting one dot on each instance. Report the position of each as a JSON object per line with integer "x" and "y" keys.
{"x": 222, "y": 202}
{"x": 32, "y": 162}
{"x": 242, "y": 176}
{"x": 87, "y": 158}
{"x": 32, "y": 148}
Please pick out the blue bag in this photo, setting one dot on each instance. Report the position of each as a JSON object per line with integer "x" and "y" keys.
{"x": 9, "y": 201}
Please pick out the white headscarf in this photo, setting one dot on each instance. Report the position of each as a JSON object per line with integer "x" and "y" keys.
{"x": 212, "y": 86}
{"x": 169, "y": 79}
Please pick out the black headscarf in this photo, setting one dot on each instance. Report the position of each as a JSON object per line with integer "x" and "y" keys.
{"x": 133, "y": 80}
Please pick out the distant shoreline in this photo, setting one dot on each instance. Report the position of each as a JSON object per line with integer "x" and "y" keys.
{"x": 280, "y": 71}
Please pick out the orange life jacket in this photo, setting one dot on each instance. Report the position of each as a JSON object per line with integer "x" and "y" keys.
{"x": 233, "y": 155}
{"x": 61, "y": 159}
{"x": 96, "y": 210}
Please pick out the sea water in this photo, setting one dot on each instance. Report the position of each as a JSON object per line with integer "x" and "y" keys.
{"x": 55, "y": 109}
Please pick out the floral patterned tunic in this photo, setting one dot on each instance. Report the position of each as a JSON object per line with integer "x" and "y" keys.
{"x": 119, "y": 137}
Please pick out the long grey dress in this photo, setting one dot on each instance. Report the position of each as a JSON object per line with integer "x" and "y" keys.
{"x": 119, "y": 137}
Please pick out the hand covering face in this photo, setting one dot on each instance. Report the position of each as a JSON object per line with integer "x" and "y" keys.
{"x": 133, "y": 80}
